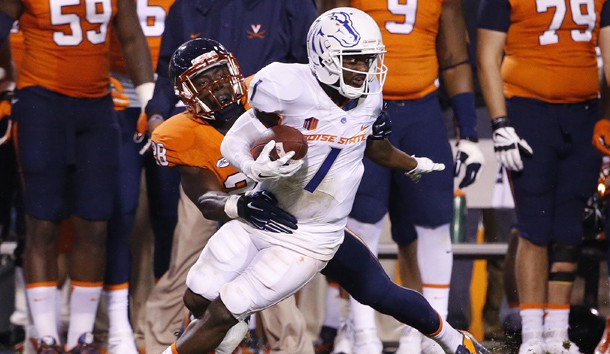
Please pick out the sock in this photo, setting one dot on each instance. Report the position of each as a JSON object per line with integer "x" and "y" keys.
{"x": 232, "y": 339}
{"x": 435, "y": 260}
{"x": 363, "y": 317}
{"x": 117, "y": 303}
{"x": 19, "y": 317}
{"x": 448, "y": 337}
{"x": 556, "y": 320}
{"x": 369, "y": 233}
{"x": 332, "y": 312}
{"x": 84, "y": 299}
{"x": 531, "y": 322}
{"x": 171, "y": 349}
{"x": 41, "y": 300}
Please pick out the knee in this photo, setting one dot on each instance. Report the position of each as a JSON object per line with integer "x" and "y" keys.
{"x": 195, "y": 303}
{"x": 564, "y": 260}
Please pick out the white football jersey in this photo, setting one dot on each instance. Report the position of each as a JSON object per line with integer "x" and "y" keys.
{"x": 320, "y": 195}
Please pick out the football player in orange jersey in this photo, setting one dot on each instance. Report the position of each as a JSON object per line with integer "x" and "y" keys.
{"x": 539, "y": 75}
{"x": 425, "y": 39}
{"x": 68, "y": 144}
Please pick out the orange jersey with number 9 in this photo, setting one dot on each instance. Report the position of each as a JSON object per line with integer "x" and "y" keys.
{"x": 409, "y": 29}
{"x": 152, "y": 15}
{"x": 550, "y": 50}
{"x": 66, "y": 46}
{"x": 187, "y": 141}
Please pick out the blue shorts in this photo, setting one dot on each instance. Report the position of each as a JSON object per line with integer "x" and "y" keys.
{"x": 68, "y": 152}
{"x": 552, "y": 189}
{"x": 418, "y": 129}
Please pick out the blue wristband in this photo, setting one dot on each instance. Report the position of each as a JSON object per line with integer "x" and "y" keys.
{"x": 463, "y": 107}
{"x": 154, "y": 118}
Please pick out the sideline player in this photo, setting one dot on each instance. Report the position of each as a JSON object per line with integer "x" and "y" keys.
{"x": 68, "y": 143}
{"x": 543, "y": 123}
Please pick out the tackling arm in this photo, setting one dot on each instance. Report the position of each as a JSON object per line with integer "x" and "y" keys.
{"x": 203, "y": 189}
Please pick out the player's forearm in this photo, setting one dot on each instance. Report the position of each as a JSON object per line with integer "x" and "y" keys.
{"x": 383, "y": 153}
{"x": 489, "y": 60}
{"x": 236, "y": 144}
{"x": 213, "y": 206}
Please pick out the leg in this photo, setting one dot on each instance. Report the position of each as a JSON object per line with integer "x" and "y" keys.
{"x": 164, "y": 308}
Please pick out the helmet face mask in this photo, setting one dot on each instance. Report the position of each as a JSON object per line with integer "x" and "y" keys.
{"x": 207, "y": 78}
{"x": 340, "y": 33}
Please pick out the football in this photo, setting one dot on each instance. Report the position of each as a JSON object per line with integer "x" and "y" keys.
{"x": 286, "y": 139}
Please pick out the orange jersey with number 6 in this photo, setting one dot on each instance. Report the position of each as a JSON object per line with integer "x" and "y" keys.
{"x": 152, "y": 15}
{"x": 550, "y": 50}
{"x": 409, "y": 29}
{"x": 66, "y": 46}
{"x": 185, "y": 140}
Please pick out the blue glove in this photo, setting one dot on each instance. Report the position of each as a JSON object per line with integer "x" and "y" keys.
{"x": 261, "y": 211}
{"x": 382, "y": 128}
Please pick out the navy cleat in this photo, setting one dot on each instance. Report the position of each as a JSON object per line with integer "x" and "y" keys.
{"x": 86, "y": 345}
{"x": 48, "y": 345}
{"x": 470, "y": 345}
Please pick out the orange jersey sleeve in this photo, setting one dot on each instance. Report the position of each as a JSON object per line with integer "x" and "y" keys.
{"x": 550, "y": 51}
{"x": 66, "y": 46}
{"x": 152, "y": 15}
{"x": 188, "y": 141}
{"x": 409, "y": 30}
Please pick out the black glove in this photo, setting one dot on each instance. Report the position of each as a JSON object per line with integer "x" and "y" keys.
{"x": 261, "y": 211}
{"x": 382, "y": 128}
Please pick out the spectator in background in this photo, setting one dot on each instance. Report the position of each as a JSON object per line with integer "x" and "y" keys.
{"x": 68, "y": 142}
{"x": 542, "y": 121}
{"x": 257, "y": 33}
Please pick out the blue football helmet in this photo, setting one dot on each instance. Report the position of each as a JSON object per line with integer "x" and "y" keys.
{"x": 206, "y": 77}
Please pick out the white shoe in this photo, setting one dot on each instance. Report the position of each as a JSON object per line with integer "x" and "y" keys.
{"x": 429, "y": 346}
{"x": 367, "y": 342}
{"x": 122, "y": 343}
{"x": 344, "y": 339}
{"x": 557, "y": 342}
{"x": 533, "y": 347}
{"x": 410, "y": 341}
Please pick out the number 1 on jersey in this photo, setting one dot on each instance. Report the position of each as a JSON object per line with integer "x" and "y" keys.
{"x": 324, "y": 168}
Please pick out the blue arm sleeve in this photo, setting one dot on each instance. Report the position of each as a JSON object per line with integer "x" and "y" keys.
{"x": 164, "y": 100}
{"x": 494, "y": 15}
{"x": 605, "y": 16}
{"x": 301, "y": 14}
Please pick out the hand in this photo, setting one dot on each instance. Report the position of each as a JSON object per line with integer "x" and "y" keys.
{"x": 121, "y": 100}
{"x": 424, "y": 165}
{"x": 601, "y": 136}
{"x": 509, "y": 147}
{"x": 382, "y": 128}
{"x": 141, "y": 128}
{"x": 6, "y": 123}
{"x": 264, "y": 169}
{"x": 469, "y": 154}
{"x": 261, "y": 211}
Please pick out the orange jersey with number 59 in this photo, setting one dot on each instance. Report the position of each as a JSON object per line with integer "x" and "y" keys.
{"x": 550, "y": 50}
{"x": 152, "y": 15}
{"x": 66, "y": 46}
{"x": 409, "y": 29}
{"x": 187, "y": 141}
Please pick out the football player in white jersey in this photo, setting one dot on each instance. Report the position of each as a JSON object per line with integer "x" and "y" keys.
{"x": 334, "y": 102}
